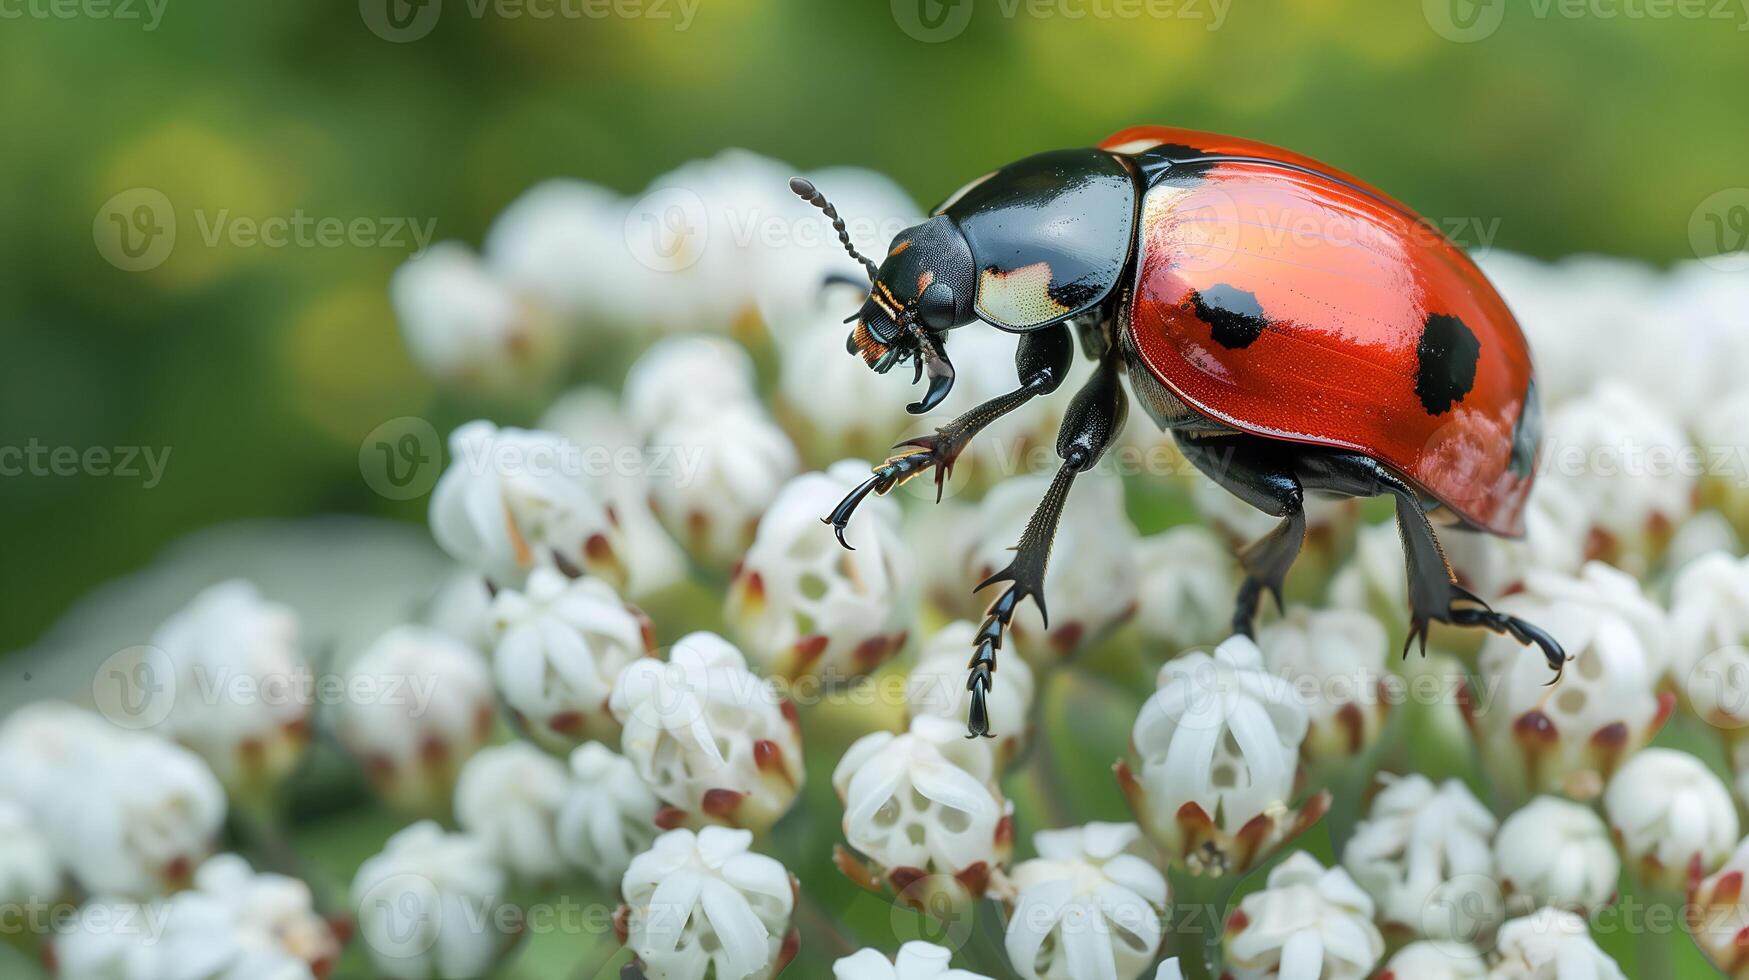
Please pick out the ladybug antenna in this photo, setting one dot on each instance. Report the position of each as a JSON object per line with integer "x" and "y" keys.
{"x": 805, "y": 189}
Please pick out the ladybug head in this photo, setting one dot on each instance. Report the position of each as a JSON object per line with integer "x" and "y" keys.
{"x": 923, "y": 289}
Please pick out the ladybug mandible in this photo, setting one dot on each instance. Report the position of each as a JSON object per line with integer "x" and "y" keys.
{"x": 1297, "y": 330}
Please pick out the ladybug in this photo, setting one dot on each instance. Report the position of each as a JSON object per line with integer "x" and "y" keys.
{"x": 1298, "y": 331}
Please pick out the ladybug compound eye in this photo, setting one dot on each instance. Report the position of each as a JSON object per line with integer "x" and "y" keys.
{"x": 935, "y": 307}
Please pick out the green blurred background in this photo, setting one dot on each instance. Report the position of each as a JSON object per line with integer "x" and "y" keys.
{"x": 262, "y": 369}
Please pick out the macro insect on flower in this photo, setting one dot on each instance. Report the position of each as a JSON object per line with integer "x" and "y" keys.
{"x": 1371, "y": 358}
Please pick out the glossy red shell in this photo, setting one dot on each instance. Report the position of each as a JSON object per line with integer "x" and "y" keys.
{"x": 1359, "y": 300}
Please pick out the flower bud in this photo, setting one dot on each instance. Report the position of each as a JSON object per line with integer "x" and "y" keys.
{"x": 561, "y": 644}
{"x": 1091, "y": 904}
{"x": 1335, "y": 662}
{"x": 1423, "y": 856}
{"x": 1672, "y": 818}
{"x": 508, "y": 798}
{"x": 702, "y": 902}
{"x": 715, "y": 742}
{"x": 1218, "y": 746}
{"x": 608, "y": 814}
{"x": 429, "y": 710}
{"x": 1556, "y": 852}
{"x": 432, "y": 906}
{"x": 1308, "y": 920}
{"x": 805, "y": 606}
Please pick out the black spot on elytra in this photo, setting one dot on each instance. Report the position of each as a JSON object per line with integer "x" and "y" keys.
{"x": 1527, "y": 433}
{"x": 1234, "y": 316}
{"x": 1074, "y": 295}
{"x": 1446, "y": 360}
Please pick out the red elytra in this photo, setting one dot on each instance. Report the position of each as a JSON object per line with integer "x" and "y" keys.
{"x": 1361, "y": 298}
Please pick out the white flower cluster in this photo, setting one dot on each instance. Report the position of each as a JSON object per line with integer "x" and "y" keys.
{"x": 662, "y": 762}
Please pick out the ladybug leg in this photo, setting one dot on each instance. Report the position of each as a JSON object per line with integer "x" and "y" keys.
{"x": 1434, "y": 594}
{"x": 1090, "y": 425}
{"x": 1041, "y": 361}
{"x": 1261, "y": 473}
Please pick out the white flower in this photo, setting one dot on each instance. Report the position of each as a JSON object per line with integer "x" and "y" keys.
{"x": 917, "y": 960}
{"x": 1169, "y": 970}
{"x": 1705, "y": 533}
{"x": 1423, "y": 855}
{"x": 1335, "y": 660}
{"x": 608, "y": 814}
{"x": 562, "y": 643}
{"x": 714, "y": 741}
{"x": 1219, "y": 747}
{"x": 563, "y": 244}
{"x": 789, "y": 272}
{"x": 1718, "y": 914}
{"x": 513, "y": 499}
{"x": 937, "y": 687}
{"x": 425, "y": 706}
{"x": 1428, "y": 960}
{"x": 1190, "y": 579}
{"x": 705, "y": 229}
{"x": 730, "y": 464}
{"x": 918, "y": 805}
{"x": 1091, "y": 580}
{"x": 462, "y": 324}
{"x": 1309, "y": 921}
{"x": 273, "y": 913}
{"x": 1568, "y": 738}
{"x": 834, "y": 404}
{"x": 29, "y": 873}
{"x": 688, "y": 377}
{"x": 1577, "y": 314}
{"x": 1089, "y": 906}
{"x": 432, "y": 905}
{"x": 1719, "y": 431}
{"x": 227, "y": 636}
{"x": 1550, "y": 944}
{"x": 1374, "y": 580}
{"x": 461, "y": 606}
{"x": 1671, "y": 816}
{"x": 1557, "y": 528}
{"x": 591, "y": 417}
{"x": 1556, "y": 852}
{"x": 508, "y": 797}
{"x": 806, "y": 606}
{"x": 1709, "y": 639}
{"x": 700, "y": 902}
{"x": 1619, "y": 452}
{"x": 193, "y": 936}
{"x": 43, "y": 742}
{"x": 126, "y": 813}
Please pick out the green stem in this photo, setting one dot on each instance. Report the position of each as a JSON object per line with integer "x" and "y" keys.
{"x": 1201, "y": 913}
